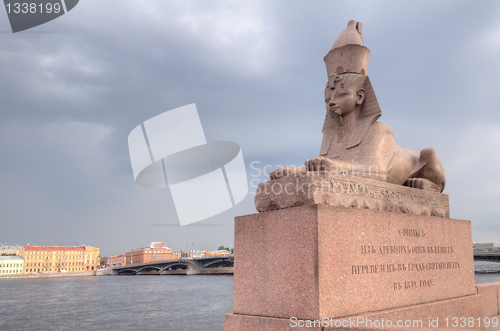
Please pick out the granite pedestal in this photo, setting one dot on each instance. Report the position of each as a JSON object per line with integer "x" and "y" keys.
{"x": 318, "y": 262}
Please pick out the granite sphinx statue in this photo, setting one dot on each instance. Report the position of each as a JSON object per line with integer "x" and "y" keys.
{"x": 353, "y": 138}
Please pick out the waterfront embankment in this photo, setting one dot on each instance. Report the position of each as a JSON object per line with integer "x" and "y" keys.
{"x": 111, "y": 272}
{"x": 99, "y": 272}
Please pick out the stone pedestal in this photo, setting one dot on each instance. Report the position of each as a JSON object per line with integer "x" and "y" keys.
{"x": 318, "y": 261}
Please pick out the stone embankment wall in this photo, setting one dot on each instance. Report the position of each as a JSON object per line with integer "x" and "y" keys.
{"x": 100, "y": 272}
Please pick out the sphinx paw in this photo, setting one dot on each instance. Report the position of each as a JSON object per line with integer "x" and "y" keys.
{"x": 423, "y": 184}
{"x": 286, "y": 171}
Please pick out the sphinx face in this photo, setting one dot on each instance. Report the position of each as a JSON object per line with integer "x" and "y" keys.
{"x": 345, "y": 94}
{"x": 340, "y": 100}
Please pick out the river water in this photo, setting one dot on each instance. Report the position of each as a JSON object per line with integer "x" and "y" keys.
{"x": 139, "y": 303}
{"x": 487, "y": 272}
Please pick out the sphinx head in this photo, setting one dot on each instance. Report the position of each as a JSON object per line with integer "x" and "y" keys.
{"x": 345, "y": 94}
{"x": 349, "y": 94}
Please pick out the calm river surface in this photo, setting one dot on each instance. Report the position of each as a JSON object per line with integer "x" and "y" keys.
{"x": 139, "y": 303}
{"x": 142, "y": 303}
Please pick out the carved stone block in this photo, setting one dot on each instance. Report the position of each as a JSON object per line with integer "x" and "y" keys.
{"x": 348, "y": 191}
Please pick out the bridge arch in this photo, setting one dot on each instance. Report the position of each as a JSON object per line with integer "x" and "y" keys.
{"x": 148, "y": 268}
{"x": 190, "y": 265}
{"x": 185, "y": 265}
{"x": 219, "y": 263}
{"x": 487, "y": 257}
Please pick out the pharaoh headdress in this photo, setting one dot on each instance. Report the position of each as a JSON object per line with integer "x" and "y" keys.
{"x": 349, "y": 56}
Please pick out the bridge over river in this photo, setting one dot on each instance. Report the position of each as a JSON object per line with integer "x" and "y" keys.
{"x": 183, "y": 266}
{"x": 491, "y": 257}
{"x": 216, "y": 265}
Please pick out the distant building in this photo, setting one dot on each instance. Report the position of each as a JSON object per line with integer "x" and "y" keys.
{"x": 59, "y": 259}
{"x": 116, "y": 261}
{"x": 218, "y": 253}
{"x": 10, "y": 265}
{"x": 9, "y": 250}
{"x": 153, "y": 253}
{"x": 488, "y": 246}
{"x": 192, "y": 254}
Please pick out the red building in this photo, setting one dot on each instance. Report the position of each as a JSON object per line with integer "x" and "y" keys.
{"x": 154, "y": 252}
{"x": 116, "y": 261}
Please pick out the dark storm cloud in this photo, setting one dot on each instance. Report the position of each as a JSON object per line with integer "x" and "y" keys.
{"x": 256, "y": 72}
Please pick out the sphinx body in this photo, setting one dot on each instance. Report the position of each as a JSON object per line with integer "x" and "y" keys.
{"x": 377, "y": 156}
{"x": 354, "y": 142}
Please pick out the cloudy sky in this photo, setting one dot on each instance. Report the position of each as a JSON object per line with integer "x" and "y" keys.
{"x": 73, "y": 89}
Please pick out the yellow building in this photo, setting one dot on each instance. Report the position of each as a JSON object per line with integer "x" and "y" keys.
{"x": 59, "y": 259}
{"x": 92, "y": 258}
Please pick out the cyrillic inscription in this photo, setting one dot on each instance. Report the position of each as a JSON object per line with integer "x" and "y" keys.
{"x": 411, "y": 232}
{"x": 394, "y": 267}
{"x": 406, "y": 285}
{"x": 378, "y": 192}
{"x": 399, "y": 249}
